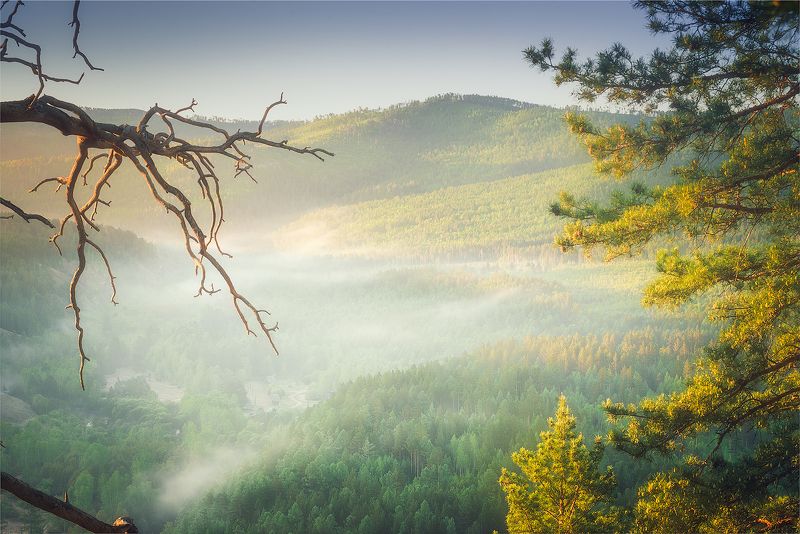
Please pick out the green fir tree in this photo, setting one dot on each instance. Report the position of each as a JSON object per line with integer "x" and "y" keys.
{"x": 561, "y": 488}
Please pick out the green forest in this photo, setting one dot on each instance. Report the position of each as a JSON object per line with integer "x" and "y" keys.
{"x": 484, "y": 314}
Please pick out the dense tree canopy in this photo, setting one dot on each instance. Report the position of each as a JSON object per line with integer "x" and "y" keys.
{"x": 724, "y": 98}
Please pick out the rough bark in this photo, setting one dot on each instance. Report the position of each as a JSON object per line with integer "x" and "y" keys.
{"x": 62, "y": 509}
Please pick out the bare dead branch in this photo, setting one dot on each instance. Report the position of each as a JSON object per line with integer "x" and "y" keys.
{"x": 61, "y": 508}
{"x": 55, "y": 237}
{"x": 58, "y": 179}
{"x": 76, "y": 25}
{"x": 35, "y": 67}
{"x": 113, "y": 163}
{"x": 91, "y": 166}
{"x": 27, "y": 217}
{"x": 266, "y": 112}
{"x": 190, "y": 107}
{"x": 7, "y": 23}
{"x": 72, "y": 178}
{"x": 111, "y": 276}
{"x": 143, "y": 149}
{"x": 10, "y": 31}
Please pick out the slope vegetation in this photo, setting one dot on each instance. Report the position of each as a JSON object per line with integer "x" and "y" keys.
{"x": 484, "y": 220}
{"x": 405, "y": 149}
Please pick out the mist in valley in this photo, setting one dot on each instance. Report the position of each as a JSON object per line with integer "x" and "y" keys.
{"x": 395, "y": 308}
{"x": 341, "y": 317}
{"x": 218, "y": 403}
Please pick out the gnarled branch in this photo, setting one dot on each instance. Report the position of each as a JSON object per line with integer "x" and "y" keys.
{"x": 62, "y": 509}
{"x": 27, "y": 217}
{"x": 136, "y": 145}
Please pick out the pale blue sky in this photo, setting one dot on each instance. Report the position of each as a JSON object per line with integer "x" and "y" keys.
{"x": 328, "y": 57}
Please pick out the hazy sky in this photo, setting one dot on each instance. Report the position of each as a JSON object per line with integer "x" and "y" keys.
{"x": 328, "y": 57}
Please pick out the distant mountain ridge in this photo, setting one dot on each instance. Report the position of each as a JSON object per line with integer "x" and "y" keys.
{"x": 410, "y": 148}
{"x": 130, "y": 115}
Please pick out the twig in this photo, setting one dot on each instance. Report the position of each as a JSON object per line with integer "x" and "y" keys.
{"x": 27, "y": 217}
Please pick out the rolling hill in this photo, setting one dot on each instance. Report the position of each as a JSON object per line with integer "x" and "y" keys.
{"x": 506, "y": 218}
{"x": 445, "y": 141}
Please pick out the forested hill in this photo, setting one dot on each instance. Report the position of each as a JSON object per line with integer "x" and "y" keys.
{"x": 410, "y": 148}
{"x": 501, "y": 219}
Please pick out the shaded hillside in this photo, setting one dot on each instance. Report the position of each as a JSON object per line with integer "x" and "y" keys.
{"x": 34, "y": 277}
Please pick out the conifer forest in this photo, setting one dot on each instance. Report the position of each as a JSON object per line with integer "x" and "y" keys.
{"x": 400, "y": 267}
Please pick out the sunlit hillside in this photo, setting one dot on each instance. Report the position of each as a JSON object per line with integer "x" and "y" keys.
{"x": 406, "y": 149}
{"x": 400, "y": 267}
{"x": 451, "y": 191}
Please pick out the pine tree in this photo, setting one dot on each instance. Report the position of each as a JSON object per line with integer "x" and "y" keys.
{"x": 561, "y": 488}
{"x": 724, "y": 101}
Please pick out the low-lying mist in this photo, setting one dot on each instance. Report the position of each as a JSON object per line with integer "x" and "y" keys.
{"x": 338, "y": 318}
{"x": 184, "y": 367}
{"x": 196, "y": 475}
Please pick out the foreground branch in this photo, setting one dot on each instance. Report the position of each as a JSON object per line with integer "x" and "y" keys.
{"x": 27, "y": 217}
{"x": 62, "y": 509}
{"x": 145, "y": 151}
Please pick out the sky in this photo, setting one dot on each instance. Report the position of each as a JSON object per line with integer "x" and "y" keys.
{"x": 234, "y": 58}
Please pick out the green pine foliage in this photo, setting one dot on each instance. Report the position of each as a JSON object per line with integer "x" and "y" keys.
{"x": 561, "y": 488}
{"x": 727, "y": 91}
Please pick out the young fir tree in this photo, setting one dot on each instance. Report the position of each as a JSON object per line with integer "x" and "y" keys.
{"x": 724, "y": 98}
{"x": 562, "y": 489}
